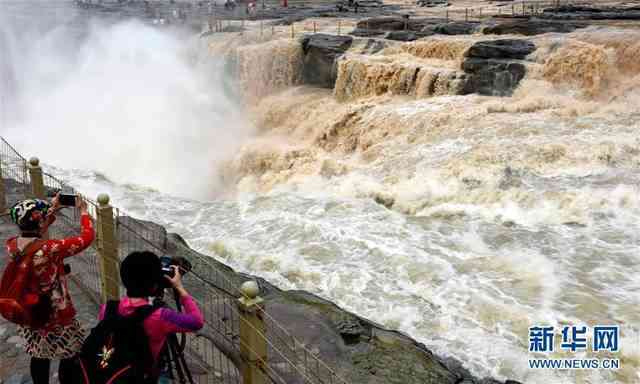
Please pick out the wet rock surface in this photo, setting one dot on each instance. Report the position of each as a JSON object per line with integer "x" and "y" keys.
{"x": 453, "y": 28}
{"x": 320, "y": 54}
{"x": 370, "y": 46}
{"x": 405, "y": 35}
{"x": 501, "y": 49}
{"x": 384, "y": 24}
{"x": 581, "y": 12}
{"x": 494, "y": 67}
{"x": 493, "y": 77}
{"x": 531, "y": 27}
{"x": 393, "y": 26}
{"x": 389, "y": 23}
{"x": 362, "y": 32}
{"x": 432, "y": 3}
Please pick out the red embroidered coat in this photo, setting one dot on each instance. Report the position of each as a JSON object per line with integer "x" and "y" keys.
{"x": 48, "y": 265}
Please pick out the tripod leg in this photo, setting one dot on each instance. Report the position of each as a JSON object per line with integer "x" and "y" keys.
{"x": 186, "y": 368}
{"x": 175, "y": 357}
{"x": 166, "y": 362}
{"x": 178, "y": 360}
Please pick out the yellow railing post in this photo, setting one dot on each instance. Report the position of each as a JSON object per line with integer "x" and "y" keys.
{"x": 37, "y": 182}
{"x": 253, "y": 345}
{"x": 108, "y": 249}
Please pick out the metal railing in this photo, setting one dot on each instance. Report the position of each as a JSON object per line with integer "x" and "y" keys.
{"x": 14, "y": 168}
{"x": 240, "y": 343}
{"x": 359, "y": 25}
{"x": 86, "y": 271}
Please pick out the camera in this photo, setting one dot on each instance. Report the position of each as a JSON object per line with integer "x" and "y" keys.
{"x": 65, "y": 199}
{"x": 167, "y": 270}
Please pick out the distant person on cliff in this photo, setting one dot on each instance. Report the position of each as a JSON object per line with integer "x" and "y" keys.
{"x": 143, "y": 277}
{"x": 60, "y": 335}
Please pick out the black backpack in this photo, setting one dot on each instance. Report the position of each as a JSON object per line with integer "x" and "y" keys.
{"x": 117, "y": 350}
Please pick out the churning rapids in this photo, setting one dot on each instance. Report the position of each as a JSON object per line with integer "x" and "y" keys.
{"x": 461, "y": 220}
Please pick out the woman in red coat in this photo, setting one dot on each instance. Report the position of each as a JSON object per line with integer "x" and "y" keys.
{"x": 62, "y": 336}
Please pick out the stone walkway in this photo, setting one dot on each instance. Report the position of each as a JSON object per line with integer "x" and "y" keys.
{"x": 14, "y": 363}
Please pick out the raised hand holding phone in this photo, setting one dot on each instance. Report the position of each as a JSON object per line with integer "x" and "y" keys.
{"x": 81, "y": 204}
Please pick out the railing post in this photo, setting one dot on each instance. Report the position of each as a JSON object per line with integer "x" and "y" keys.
{"x": 253, "y": 345}
{"x": 108, "y": 249}
{"x": 3, "y": 197}
{"x": 37, "y": 182}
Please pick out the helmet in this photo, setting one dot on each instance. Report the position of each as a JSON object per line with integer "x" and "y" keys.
{"x": 28, "y": 214}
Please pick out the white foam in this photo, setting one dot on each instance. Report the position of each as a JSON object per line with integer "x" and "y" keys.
{"x": 124, "y": 105}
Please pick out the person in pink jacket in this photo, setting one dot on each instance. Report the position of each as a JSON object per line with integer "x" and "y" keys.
{"x": 141, "y": 273}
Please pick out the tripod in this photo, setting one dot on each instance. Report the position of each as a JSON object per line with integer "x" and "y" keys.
{"x": 172, "y": 355}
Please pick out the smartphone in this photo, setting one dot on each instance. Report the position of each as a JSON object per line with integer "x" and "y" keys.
{"x": 67, "y": 200}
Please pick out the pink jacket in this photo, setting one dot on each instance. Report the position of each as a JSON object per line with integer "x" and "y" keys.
{"x": 163, "y": 321}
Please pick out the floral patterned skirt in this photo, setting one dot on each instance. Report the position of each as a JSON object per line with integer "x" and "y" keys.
{"x": 60, "y": 343}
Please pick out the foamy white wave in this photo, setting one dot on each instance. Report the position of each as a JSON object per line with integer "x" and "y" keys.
{"x": 120, "y": 104}
{"x": 468, "y": 288}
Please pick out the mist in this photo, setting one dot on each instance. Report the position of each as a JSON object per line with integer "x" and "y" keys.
{"x": 139, "y": 104}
